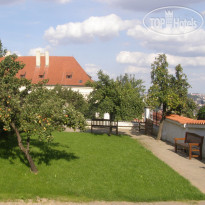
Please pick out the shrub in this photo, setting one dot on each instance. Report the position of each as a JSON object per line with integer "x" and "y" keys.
{"x": 201, "y": 113}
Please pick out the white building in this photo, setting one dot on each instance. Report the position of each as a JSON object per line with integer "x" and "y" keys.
{"x": 177, "y": 126}
{"x": 59, "y": 70}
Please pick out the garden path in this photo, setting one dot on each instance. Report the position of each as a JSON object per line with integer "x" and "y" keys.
{"x": 193, "y": 170}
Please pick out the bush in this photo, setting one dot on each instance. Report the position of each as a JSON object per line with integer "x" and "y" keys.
{"x": 201, "y": 113}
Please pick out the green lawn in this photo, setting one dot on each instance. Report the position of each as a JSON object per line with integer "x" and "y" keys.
{"x": 88, "y": 167}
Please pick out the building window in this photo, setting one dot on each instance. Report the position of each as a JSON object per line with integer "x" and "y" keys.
{"x": 41, "y": 74}
{"x": 80, "y": 81}
{"x": 23, "y": 76}
{"x": 69, "y": 76}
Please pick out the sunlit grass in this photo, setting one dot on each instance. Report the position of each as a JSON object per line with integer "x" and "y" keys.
{"x": 88, "y": 167}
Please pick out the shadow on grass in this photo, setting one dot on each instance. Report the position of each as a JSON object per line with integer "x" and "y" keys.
{"x": 103, "y": 131}
{"x": 41, "y": 153}
{"x": 50, "y": 152}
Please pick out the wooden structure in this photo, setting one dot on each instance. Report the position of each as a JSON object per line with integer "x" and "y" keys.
{"x": 191, "y": 142}
{"x": 104, "y": 123}
{"x": 148, "y": 127}
{"x": 141, "y": 126}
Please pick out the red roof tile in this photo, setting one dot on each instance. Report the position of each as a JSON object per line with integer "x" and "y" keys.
{"x": 185, "y": 120}
{"x": 59, "y": 67}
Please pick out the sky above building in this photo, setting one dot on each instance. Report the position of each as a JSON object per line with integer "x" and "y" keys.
{"x": 110, "y": 35}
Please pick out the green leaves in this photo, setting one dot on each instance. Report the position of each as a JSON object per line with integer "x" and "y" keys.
{"x": 168, "y": 91}
{"x": 45, "y": 112}
{"x": 2, "y": 51}
{"x": 201, "y": 113}
{"x": 120, "y": 98}
{"x": 73, "y": 98}
{"x": 34, "y": 109}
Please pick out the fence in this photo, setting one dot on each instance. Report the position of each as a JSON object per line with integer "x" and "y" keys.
{"x": 156, "y": 117}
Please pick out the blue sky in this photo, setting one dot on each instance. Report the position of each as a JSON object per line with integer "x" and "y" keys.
{"x": 104, "y": 34}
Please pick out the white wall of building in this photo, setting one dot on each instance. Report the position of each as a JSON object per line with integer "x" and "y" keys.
{"x": 107, "y": 116}
{"x": 172, "y": 129}
{"x": 85, "y": 91}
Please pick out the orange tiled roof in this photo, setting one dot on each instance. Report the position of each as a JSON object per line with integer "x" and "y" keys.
{"x": 57, "y": 72}
{"x": 185, "y": 120}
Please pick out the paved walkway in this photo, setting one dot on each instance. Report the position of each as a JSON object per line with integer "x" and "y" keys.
{"x": 193, "y": 170}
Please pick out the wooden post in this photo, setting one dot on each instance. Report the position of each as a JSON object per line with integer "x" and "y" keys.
{"x": 117, "y": 128}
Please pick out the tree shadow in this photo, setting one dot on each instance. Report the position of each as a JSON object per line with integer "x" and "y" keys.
{"x": 103, "y": 131}
{"x": 41, "y": 152}
{"x": 50, "y": 151}
{"x": 9, "y": 147}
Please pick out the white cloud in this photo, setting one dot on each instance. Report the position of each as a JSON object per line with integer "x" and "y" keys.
{"x": 63, "y": 1}
{"x": 137, "y": 63}
{"x": 171, "y": 71}
{"x": 142, "y": 73}
{"x": 186, "y": 61}
{"x": 147, "y": 5}
{"x": 192, "y": 44}
{"x": 32, "y": 52}
{"x": 17, "y": 53}
{"x": 197, "y": 81}
{"x": 140, "y": 64}
{"x": 135, "y": 58}
{"x": 58, "y": 1}
{"x": 135, "y": 69}
{"x": 92, "y": 70}
{"x": 10, "y": 2}
{"x": 104, "y": 28}
{"x": 140, "y": 59}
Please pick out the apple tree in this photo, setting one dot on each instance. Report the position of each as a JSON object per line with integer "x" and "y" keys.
{"x": 32, "y": 109}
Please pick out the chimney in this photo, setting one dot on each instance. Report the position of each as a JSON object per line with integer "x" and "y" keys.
{"x": 38, "y": 58}
{"x": 47, "y": 58}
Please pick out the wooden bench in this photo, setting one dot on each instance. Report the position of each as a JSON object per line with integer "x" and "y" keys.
{"x": 103, "y": 123}
{"x": 191, "y": 142}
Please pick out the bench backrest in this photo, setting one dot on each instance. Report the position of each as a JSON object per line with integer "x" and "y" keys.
{"x": 103, "y": 122}
{"x": 193, "y": 138}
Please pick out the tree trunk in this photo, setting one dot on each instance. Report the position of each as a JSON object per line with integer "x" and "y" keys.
{"x": 112, "y": 117}
{"x": 110, "y": 128}
{"x": 25, "y": 150}
{"x": 159, "y": 135}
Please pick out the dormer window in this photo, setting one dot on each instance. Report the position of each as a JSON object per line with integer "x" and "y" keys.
{"x": 69, "y": 76}
{"x": 80, "y": 81}
{"x": 22, "y": 75}
{"x": 41, "y": 75}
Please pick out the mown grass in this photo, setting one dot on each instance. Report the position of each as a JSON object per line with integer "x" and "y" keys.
{"x": 88, "y": 167}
